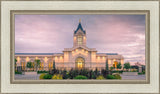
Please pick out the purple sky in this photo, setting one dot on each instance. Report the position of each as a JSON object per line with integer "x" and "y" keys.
{"x": 122, "y": 34}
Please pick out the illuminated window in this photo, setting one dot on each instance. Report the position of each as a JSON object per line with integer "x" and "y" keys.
{"x": 45, "y": 59}
{"x": 23, "y": 65}
{"x": 50, "y": 65}
{"x": 80, "y": 65}
{"x": 79, "y": 40}
{"x": 27, "y": 59}
{"x": 41, "y": 66}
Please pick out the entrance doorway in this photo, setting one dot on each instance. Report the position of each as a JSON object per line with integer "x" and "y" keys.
{"x": 79, "y": 63}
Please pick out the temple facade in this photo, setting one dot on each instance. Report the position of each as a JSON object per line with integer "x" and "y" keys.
{"x": 79, "y": 56}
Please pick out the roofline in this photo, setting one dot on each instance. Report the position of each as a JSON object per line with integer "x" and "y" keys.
{"x": 36, "y": 53}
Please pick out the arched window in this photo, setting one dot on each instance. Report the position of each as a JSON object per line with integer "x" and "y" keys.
{"x": 79, "y": 40}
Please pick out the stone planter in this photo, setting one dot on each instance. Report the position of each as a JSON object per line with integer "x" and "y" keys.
{"x": 130, "y": 73}
{"x": 30, "y": 73}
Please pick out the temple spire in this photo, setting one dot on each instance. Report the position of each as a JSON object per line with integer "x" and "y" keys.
{"x": 80, "y": 20}
{"x": 79, "y": 27}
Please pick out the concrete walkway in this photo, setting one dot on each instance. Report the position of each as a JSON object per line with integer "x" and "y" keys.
{"x": 36, "y": 77}
{"x": 27, "y": 77}
{"x": 133, "y": 77}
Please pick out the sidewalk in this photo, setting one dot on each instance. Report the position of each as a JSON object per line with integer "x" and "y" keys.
{"x": 36, "y": 77}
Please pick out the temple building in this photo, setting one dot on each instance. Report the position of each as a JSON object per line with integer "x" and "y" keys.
{"x": 79, "y": 56}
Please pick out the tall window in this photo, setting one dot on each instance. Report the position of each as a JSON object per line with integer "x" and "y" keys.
{"x": 79, "y": 40}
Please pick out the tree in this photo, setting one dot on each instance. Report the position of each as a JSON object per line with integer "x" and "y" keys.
{"x": 15, "y": 60}
{"x": 111, "y": 68}
{"x": 37, "y": 63}
{"x": 127, "y": 66}
{"x": 119, "y": 65}
{"x": 106, "y": 64}
{"x": 15, "y": 63}
{"x": 54, "y": 65}
{"x": 29, "y": 65}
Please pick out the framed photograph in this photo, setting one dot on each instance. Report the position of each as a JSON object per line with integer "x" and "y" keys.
{"x": 80, "y": 47}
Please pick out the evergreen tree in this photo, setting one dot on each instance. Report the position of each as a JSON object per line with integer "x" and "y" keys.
{"x": 106, "y": 64}
{"x": 54, "y": 65}
{"x": 15, "y": 64}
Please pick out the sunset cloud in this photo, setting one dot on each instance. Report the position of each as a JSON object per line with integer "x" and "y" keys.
{"x": 122, "y": 34}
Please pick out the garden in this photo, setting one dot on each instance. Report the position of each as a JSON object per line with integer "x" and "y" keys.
{"x": 80, "y": 74}
{"x": 112, "y": 72}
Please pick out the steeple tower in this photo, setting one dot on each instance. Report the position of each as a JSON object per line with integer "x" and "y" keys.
{"x": 79, "y": 36}
{"x": 79, "y": 27}
{"x": 80, "y": 20}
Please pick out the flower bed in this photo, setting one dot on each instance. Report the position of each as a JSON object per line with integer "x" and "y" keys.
{"x": 79, "y": 74}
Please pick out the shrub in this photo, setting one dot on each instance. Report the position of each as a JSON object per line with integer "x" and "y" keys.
{"x": 96, "y": 72}
{"x": 75, "y": 73}
{"x": 84, "y": 72}
{"x": 57, "y": 76}
{"x": 42, "y": 72}
{"x": 54, "y": 71}
{"x": 80, "y": 77}
{"x": 134, "y": 70}
{"x": 65, "y": 74}
{"x": 117, "y": 76}
{"x": 94, "y": 76}
{"x": 110, "y": 77}
{"x": 16, "y": 72}
{"x": 90, "y": 73}
{"x": 104, "y": 72}
{"x": 141, "y": 73}
{"x": 100, "y": 77}
{"x": 42, "y": 76}
{"x": 72, "y": 74}
{"x": 47, "y": 76}
{"x": 116, "y": 71}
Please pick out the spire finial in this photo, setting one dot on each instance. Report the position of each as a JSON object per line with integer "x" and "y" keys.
{"x": 80, "y": 20}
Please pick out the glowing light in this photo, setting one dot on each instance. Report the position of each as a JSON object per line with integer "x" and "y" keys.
{"x": 76, "y": 50}
{"x": 18, "y": 58}
{"x": 36, "y": 57}
{"x": 45, "y": 59}
{"x": 103, "y": 57}
{"x": 27, "y": 59}
{"x": 86, "y": 51}
{"x": 84, "y": 37}
{"x": 98, "y": 57}
{"x": 61, "y": 57}
{"x": 109, "y": 61}
{"x": 80, "y": 65}
{"x": 72, "y": 52}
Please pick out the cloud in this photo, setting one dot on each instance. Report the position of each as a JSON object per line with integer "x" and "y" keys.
{"x": 123, "y": 34}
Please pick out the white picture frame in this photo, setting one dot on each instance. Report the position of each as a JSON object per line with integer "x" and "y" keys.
{"x": 7, "y": 87}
